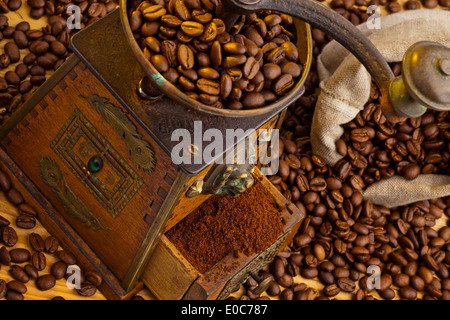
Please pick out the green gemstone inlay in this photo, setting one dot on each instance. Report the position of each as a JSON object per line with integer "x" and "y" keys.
{"x": 95, "y": 164}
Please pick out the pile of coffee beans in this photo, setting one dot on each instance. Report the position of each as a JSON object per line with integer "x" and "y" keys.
{"x": 345, "y": 239}
{"x": 346, "y": 245}
{"x": 30, "y": 54}
{"x": 381, "y": 149}
{"x": 27, "y": 265}
{"x": 247, "y": 67}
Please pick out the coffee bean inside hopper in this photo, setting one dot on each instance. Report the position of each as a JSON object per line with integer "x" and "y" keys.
{"x": 248, "y": 67}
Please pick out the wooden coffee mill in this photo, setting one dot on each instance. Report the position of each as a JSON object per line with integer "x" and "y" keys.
{"x": 91, "y": 150}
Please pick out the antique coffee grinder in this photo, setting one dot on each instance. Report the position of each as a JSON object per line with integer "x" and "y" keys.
{"x": 92, "y": 152}
{"x": 92, "y": 149}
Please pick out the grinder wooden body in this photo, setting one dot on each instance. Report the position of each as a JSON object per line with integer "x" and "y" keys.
{"x": 94, "y": 159}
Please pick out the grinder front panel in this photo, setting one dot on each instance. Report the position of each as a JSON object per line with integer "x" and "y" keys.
{"x": 104, "y": 174}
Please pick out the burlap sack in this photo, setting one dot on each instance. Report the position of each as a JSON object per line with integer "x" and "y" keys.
{"x": 345, "y": 88}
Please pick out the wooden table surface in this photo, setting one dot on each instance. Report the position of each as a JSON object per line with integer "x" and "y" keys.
{"x": 10, "y": 212}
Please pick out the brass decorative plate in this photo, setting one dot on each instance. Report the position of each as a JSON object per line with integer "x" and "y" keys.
{"x": 78, "y": 142}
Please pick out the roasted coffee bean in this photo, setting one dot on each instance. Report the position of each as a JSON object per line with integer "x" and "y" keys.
{"x": 292, "y": 68}
{"x": 346, "y": 284}
{"x": 411, "y": 171}
{"x": 37, "y": 80}
{"x": 14, "y": 5}
{"x": 13, "y": 79}
{"x": 208, "y": 86}
{"x": 36, "y": 3}
{"x": 149, "y": 29}
{"x": 20, "y": 39}
{"x": 94, "y": 277}
{"x": 301, "y": 240}
{"x": 58, "y": 48}
{"x": 22, "y": 71}
{"x": 318, "y": 184}
{"x": 45, "y": 282}
{"x": 16, "y": 286}
{"x": 19, "y": 255}
{"x": 6, "y": 100}
{"x": 226, "y": 85}
{"x": 430, "y": 262}
{"x": 51, "y": 244}
{"x": 160, "y": 62}
{"x": 66, "y": 256}
{"x": 401, "y": 280}
{"x": 216, "y": 53}
{"x": 152, "y": 13}
{"x": 36, "y": 242}
{"x": 271, "y": 71}
{"x": 5, "y": 182}
{"x": 13, "y": 295}
{"x": 286, "y": 294}
{"x": 18, "y": 273}
{"x": 385, "y": 282}
{"x": 233, "y": 61}
{"x": 39, "y": 260}
{"x": 3, "y": 288}
{"x": 425, "y": 274}
{"x": 47, "y": 60}
{"x": 331, "y": 290}
{"x": 181, "y": 10}
{"x": 5, "y": 257}
{"x": 252, "y": 34}
{"x": 87, "y": 289}
{"x": 253, "y": 100}
{"x": 387, "y": 294}
{"x": 192, "y": 28}
{"x": 359, "y": 135}
{"x": 171, "y": 21}
{"x": 9, "y": 236}
{"x": 12, "y": 51}
{"x": 58, "y": 269}
{"x": 234, "y": 48}
{"x": 407, "y": 293}
{"x": 277, "y": 55}
{"x": 168, "y": 49}
{"x": 185, "y": 56}
{"x": 208, "y": 73}
{"x": 309, "y": 272}
{"x": 285, "y": 280}
{"x": 283, "y": 84}
{"x": 39, "y": 47}
{"x": 34, "y": 34}
{"x": 291, "y": 51}
{"x": 251, "y": 68}
{"x": 31, "y": 271}
{"x": 26, "y": 221}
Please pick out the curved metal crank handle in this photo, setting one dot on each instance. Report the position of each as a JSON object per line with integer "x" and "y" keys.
{"x": 425, "y": 82}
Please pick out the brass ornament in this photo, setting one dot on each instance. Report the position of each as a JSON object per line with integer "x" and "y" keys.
{"x": 229, "y": 179}
{"x": 77, "y": 144}
{"x": 141, "y": 152}
{"x": 52, "y": 175}
{"x": 195, "y": 189}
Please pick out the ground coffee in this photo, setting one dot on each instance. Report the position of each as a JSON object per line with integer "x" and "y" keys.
{"x": 246, "y": 224}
